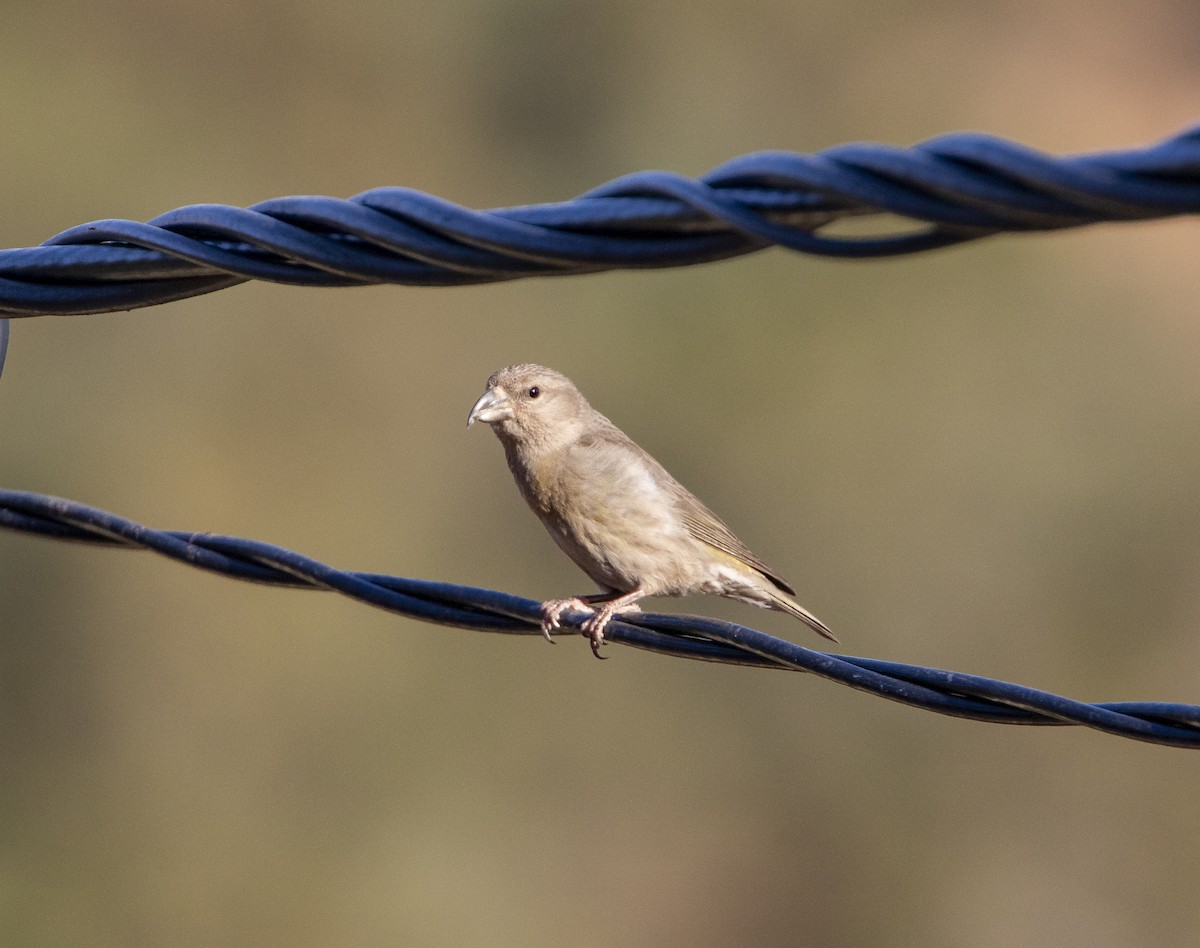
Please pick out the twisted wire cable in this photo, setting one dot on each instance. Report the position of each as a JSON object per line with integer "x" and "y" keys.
{"x": 953, "y": 188}
{"x": 946, "y": 692}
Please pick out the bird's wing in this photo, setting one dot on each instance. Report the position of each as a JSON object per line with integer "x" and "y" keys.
{"x": 700, "y": 522}
{"x": 706, "y": 526}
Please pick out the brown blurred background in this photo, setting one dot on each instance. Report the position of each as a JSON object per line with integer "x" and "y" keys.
{"x": 983, "y": 459}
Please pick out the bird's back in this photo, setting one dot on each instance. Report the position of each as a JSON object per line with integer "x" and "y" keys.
{"x": 624, "y": 519}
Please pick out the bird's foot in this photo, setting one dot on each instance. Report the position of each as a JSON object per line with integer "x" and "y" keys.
{"x": 593, "y": 628}
{"x": 553, "y": 609}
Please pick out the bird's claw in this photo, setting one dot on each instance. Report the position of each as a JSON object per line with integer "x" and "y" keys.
{"x": 552, "y": 611}
{"x": 596, "y": 640}
{"x": 593, "y": 628}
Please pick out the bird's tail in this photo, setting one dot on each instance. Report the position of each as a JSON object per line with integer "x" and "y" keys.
{"x": 784, "y": 603}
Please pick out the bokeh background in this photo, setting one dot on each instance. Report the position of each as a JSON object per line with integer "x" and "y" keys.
{"x": 983, "y": 459}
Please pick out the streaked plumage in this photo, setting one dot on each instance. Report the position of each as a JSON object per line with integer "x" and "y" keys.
{"x": 613, "y": 509}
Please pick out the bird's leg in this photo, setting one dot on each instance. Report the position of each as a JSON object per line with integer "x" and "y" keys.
{"x": 609, "y": 605}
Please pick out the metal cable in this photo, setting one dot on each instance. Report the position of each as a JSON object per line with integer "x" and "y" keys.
{"x": 952, "y": 693}
{"x": 954, "y": 188}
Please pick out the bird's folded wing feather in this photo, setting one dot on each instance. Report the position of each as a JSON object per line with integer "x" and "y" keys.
{"x": 704, "y": 525}
{"x": 700, "y": 522}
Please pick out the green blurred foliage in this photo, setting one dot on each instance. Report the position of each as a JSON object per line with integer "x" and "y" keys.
{"x": 982, "y": 459}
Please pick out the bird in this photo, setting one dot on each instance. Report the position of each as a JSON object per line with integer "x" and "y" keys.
{"x": 614, "y": 510}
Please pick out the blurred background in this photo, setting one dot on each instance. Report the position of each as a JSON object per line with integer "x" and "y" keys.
{"x": 982, "y": 459}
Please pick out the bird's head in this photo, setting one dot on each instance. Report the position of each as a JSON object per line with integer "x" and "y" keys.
{"x": 532, "y": 406}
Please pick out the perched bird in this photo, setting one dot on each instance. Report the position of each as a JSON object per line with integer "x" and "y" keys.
{"x": 613, "y": 509}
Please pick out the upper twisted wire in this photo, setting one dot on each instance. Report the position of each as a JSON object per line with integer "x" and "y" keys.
{"x": 933, "y": 689}
{"x": 955, "y": 188}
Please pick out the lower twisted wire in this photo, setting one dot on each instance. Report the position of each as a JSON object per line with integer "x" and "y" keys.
{"x": 695, "y": 637}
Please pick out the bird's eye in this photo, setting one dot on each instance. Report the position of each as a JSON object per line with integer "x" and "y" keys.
{"x": 535, "y": 392}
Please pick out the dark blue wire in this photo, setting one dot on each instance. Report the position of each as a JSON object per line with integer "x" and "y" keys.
{"x": 954, "y": 188}
{"x": 952, "y": 693}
